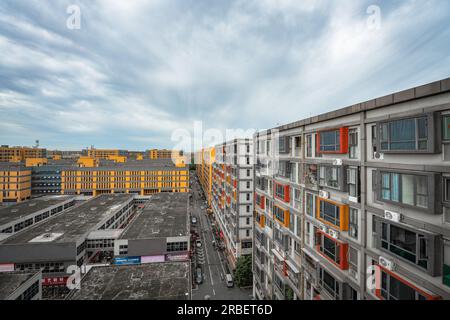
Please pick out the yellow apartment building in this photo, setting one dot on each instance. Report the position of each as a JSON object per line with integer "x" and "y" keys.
{"x": 35, "y": 162}
{"x": 18, "y": 154}
{"x": 205, "y": 159}
{"x": 105, "y": 153}
{"x": 143, "y": 180}
{"x": 162, "y": 153}
{"x": 15, "y": 183}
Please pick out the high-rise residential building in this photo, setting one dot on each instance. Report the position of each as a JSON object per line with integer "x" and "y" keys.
{"x": 19, "y": 154}
{"x": 204, "y": 161}
{"x": 355, "y": 203}
{"x": 232, "y": 196}
{"x": 15, "y": 182}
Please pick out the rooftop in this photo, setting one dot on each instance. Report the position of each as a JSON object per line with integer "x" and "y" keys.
{"x": 74, "y": 223}
{"x": 164, "y": 215}
{"x": 11, "y": 281}
{"x": 154, "y": 281}
{"x": 23, "y": 209}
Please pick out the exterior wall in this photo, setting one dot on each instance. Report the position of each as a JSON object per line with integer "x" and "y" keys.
{"x": 15, "y": 183}
{"x": 311, "y": 244}
{"x": 232, "y": 196}
{"x": 18, "y": 154}
{"x": 105, "y": 153}
{"x": 205, "y": 159}
{"x": 98, "y": 181}
{"x": 29, "y": 290}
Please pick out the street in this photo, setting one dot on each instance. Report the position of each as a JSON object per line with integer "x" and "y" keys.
{"x": 215, "y": 267}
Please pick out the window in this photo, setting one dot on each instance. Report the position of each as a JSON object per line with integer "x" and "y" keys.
{"x": 446, "y": 127}
{"x": 406, "y": 135}
{"x": 446, "y": 271}
{"x": 403, "y": 188}
{"x": 447, "y": 189}
{"x": 309, "y": 146}
{"x": 281, "y": 215}
{"x": 310, "y": 204}
{"x": 248, "y": 172}
{"x": 353, "y": 262}
{"x": 329, "y": 176}
{"x": 308, "y": 233}
{"x": 177, "y": 246}
{"x": 352, "y": 182}
{"x": 333, "y": 141}
{"x": 248, "y": 196}
{"x": 333, "y": 250}
{"x": 353, "y": 223}
{"x": 353, "y": 143}
{"x": 282, "y": 192}
{"x": 329, "y": 212}
{"x": 417, "y": 248}
{"x": 247, "y": 233}
{"x": 330, "y": 284}
{"x": 393, "y": 288}
{"x": 247, "y": 184}
{"x": 247, "y": 209}
{"x": 283, "y": 144}
{"x": 247, "y": 221}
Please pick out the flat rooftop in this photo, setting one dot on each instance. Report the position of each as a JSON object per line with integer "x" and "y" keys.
{"x": 154, "y": 281}
{"x": 11, "y": 281}
{"x": 74, "y": 223}
{"x": 23, "y": 209}
{"x": 164, "y": 215}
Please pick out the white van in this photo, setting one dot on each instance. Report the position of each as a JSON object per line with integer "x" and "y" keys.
{"x": 229, "y": 280}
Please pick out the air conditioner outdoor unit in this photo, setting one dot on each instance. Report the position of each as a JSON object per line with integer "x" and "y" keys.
{"x": 385, "y": 263}
{"x": 323, "y": 228}
{"x": 324, "y": 194}
{"x": 379, "y": 156}
{"x": 392, "y": 216}
{"x": 333, "y": 233}
{"x": 337, "y": 162}
{"x": 353, "y": 199}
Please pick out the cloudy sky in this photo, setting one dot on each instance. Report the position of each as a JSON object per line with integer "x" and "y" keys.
{"x": 137, "y": 70}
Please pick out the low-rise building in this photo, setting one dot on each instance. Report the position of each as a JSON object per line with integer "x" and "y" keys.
{"x": 15, "y": 182}
{"x": 16, "y": 285}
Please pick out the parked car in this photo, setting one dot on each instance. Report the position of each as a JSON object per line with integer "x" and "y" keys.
{"x": 198, "y": 244}
{"x": 229, "y": 280}
{"x": 198, "y": 275}
{"x": 194, "y": 220}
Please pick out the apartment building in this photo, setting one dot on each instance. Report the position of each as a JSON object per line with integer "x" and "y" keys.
{"x": 204, "y": 162}
{"x": 18, "y": 154}
{"x": 106, "y": 153}
{"x": 232, "y": 196}
{"x": 354, "y": 203}
{"x": 15, "y": 182}
{"x": 162, "y": 153}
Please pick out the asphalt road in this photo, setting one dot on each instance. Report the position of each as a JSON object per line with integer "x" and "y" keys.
{"x": 215, "y": 266}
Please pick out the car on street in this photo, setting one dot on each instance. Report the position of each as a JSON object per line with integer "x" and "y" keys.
{"x": 198, "y": 275}
{"x": 194, "y": 220}
{"x": 198, "y": 244}
{"x": 229, "y": 280}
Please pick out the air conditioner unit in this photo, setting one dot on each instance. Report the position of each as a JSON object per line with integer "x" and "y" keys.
{"x": 323, "y": 228}
{"x": 333, "y": 233}
{"x": 353, "y": 199}
{"x": 392, "y": 216}
{"x": 324, "y": 194}
{"x": 385, "y": 263}
{"x": 379, "y": 156}
{"x": 337, "y": 162}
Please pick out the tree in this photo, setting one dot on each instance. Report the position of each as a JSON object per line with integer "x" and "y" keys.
{"x": 243, "y": 275}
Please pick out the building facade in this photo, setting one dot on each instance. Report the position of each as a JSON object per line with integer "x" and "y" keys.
{"x": 232, "y": 196}
{"x": 15, "y": 182}
{"x": 204, "y": 166}
{"x": 354, "y": 203}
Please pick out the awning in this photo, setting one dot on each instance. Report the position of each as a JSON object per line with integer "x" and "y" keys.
{"x": 292, "y": 266}
{"x": 278, "y": 255}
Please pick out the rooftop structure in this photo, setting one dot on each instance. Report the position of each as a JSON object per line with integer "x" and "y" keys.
{"x": 156, "y": 281}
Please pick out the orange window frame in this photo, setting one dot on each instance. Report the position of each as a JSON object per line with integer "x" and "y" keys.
{"x": 342, "y": 249}
{"x": 343, "y": 214}
{"x": 343, "y": 141}
{"x": 286, "y": 217}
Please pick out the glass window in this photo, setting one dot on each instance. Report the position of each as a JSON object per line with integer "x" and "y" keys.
{"x": 447, "y": 189}
{"x": 404, "y": 134}
{"x": 329, "y": 176}
{"x": 394, "y": 289}
{"x": 309, "y": 146}
{"x": 353, "y": 143}
{"x": 353, "y": 223}
{"x": 329, "y": 212}
{"x": 310, "y": 204}
{"x": 446, "y": 125}
{"x": 330, "y": 141}
{"x": 446, "y": 272}
{"x": 352, "y": 182}
{"x": 405, "y": 188}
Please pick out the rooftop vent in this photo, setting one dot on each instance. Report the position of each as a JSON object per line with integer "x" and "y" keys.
{"x": 93, "y": 208}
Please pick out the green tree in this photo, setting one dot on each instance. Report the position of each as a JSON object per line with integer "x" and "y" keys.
{"x": 243, "y": 275}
